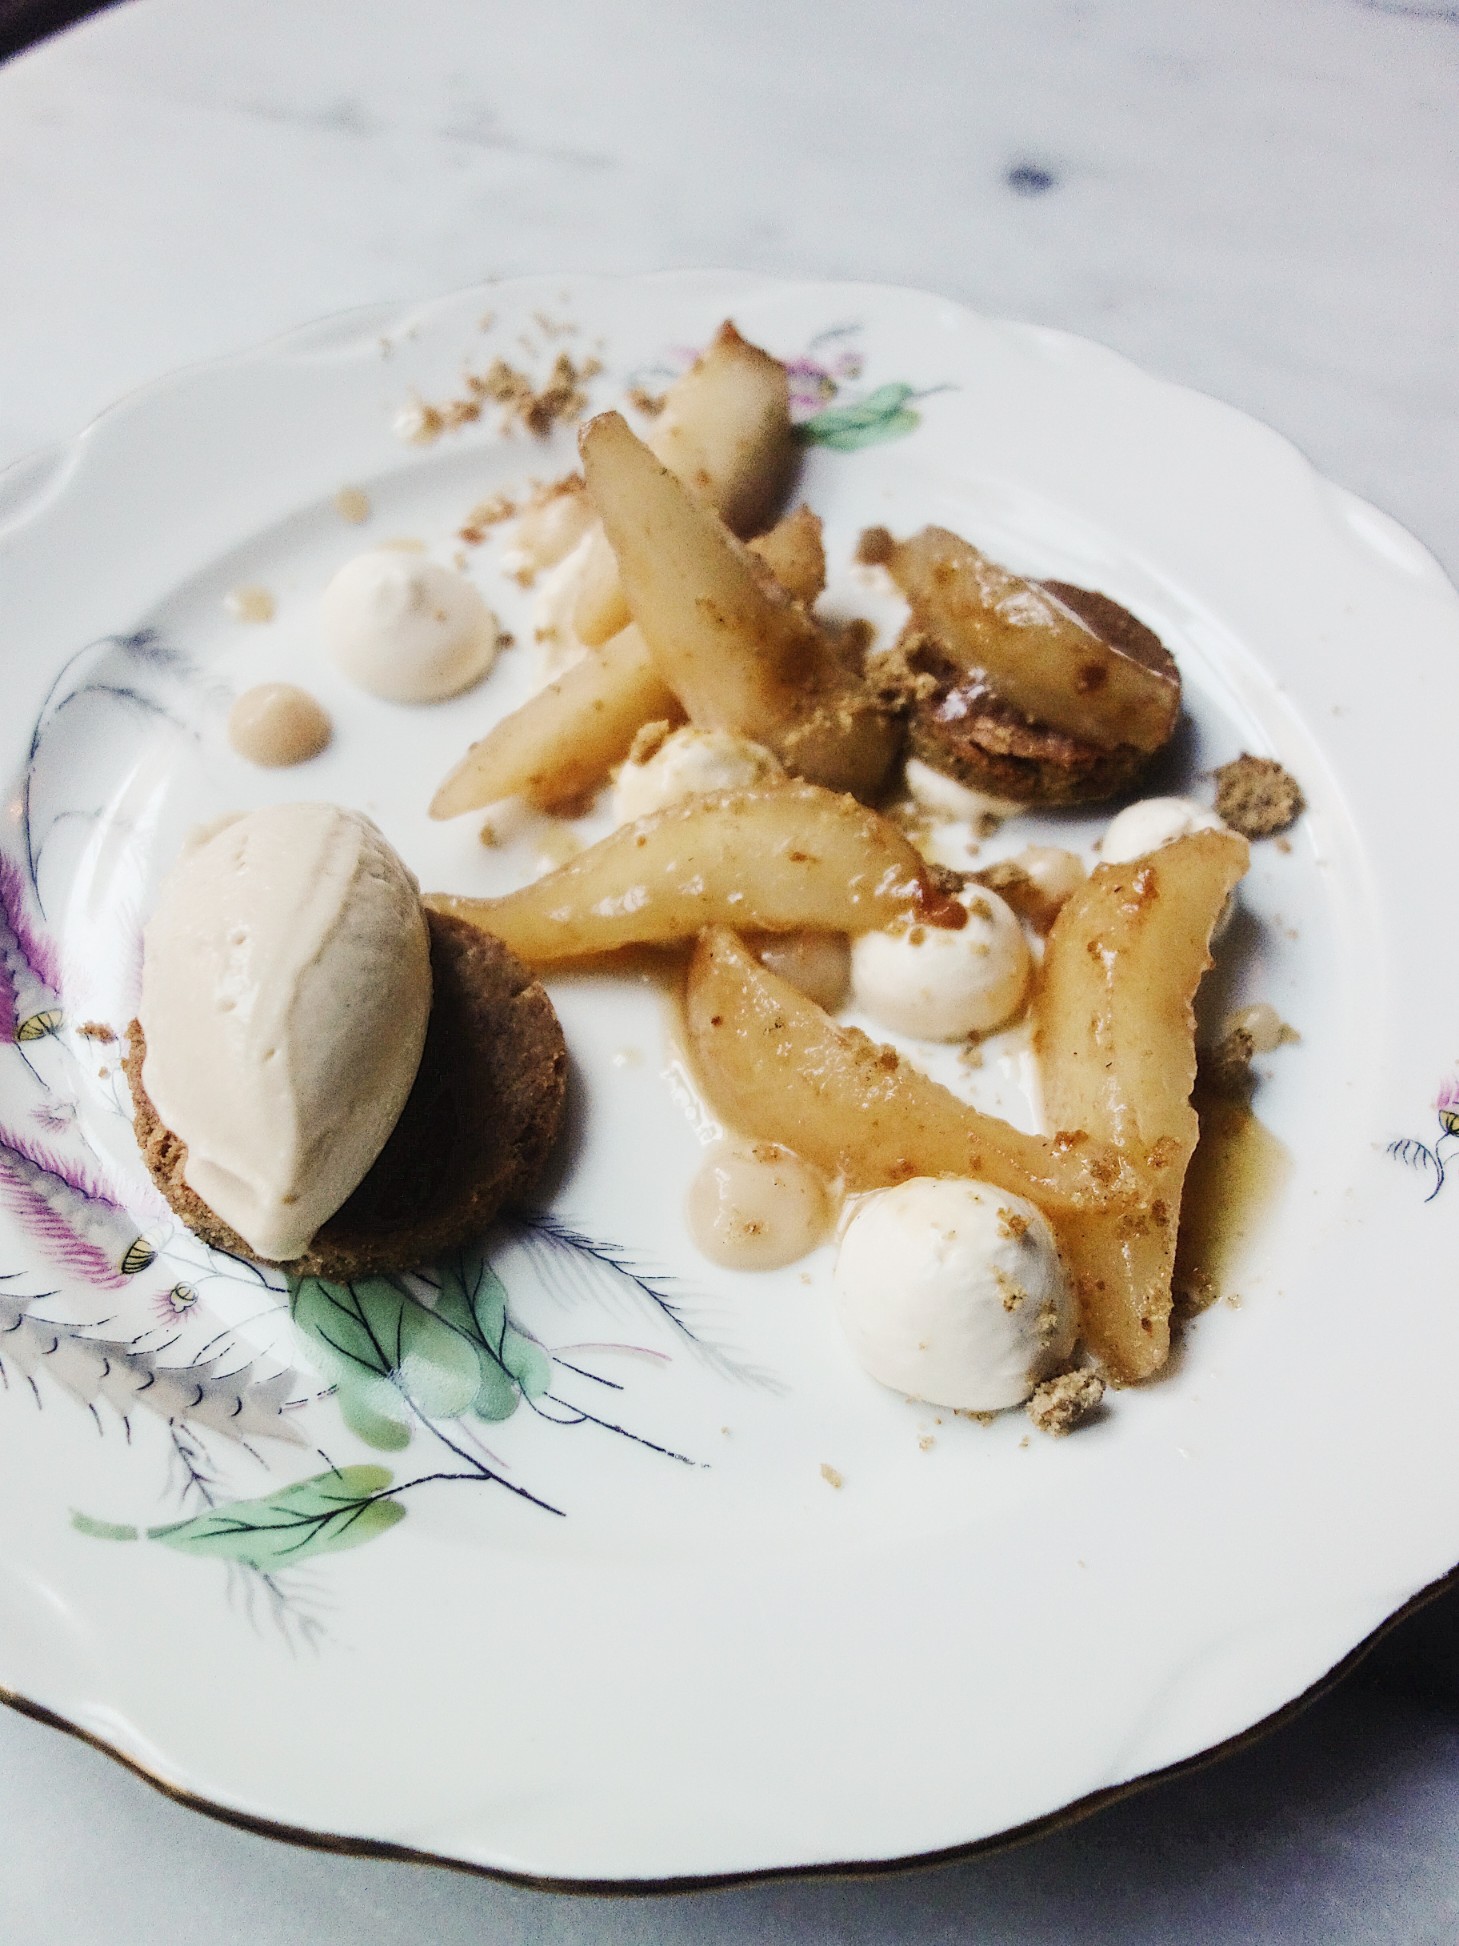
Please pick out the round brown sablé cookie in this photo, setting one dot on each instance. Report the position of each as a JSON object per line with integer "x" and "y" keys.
{"x": 958, "y": 724}
{"x": 473, "y": 1137}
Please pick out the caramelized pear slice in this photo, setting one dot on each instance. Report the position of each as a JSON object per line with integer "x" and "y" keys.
{"x": 563, "y": 741}
{"x": 1114, "y": 1031}
{"x": 1037, "y": 653}
{"x": 731, "y": 643}
{"x": 780, "y": 1070}
{"x": 786, "y": 859}
{"x": 724, "y": 430}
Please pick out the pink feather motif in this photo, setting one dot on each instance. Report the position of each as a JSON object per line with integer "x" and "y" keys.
{"x": 65, "y": 1207}
{"x": 24, "y": 949}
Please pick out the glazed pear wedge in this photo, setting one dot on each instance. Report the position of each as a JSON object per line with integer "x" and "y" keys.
{"x": 1037, "y": 653}
{"x": 1114, "y": 1031}
{"x": 724, "y": 430}
{"x": 781, "y": 1070}
{"x": 786, "y": 859}
{"x": 739, "y": 652}
{"x": 563, "y": 741}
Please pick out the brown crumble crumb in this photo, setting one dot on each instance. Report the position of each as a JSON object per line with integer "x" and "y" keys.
{"x": 926, "y": 1443}
{"x": 1257, "y": 797}
{"x": 971, "y": 1055}
{"x": 1062, "y": 1403}
{"x": 1197, "y": 1292}
{"x": 487, "y": 513}
{"x": 489, "y": 836}
{"x": 875, "y": 547}
{"x": 105, "y": 1073}
{"x": 805, "y": 1277}
{"x": 831, "y": 1477}
{"x": 562, "y": 396}
{"x": 1226, "y": 1067}
{"x": 650, "y": 738}
{"x": 650, "y": 404}
{"x": 353, "y": 505}
{"x": 96, "y": 1030}
{"x": 1012, "y": 1224}
{"x": 1023, "y": 1442}
{"x": 725, "y": 1430}
{"x": 1233, "y": 1298}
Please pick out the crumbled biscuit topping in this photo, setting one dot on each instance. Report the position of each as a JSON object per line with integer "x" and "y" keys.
{"x": 1257, "y": 797}
{"x": 1060, "y": 1404}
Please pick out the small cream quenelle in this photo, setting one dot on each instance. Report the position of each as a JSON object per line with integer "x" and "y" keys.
{"x": 941, "y": 985}
{"x": 691, "y": 763}
{"x": 407, "y": 629}
{"x": 1152, "y": 822}
{"x": 953, "y": 1292}
{"x": 941, "y": 796}
{"x": 286, "y": 986}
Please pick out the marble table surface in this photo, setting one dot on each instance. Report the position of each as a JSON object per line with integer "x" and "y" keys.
{"x": 1255, "y": 197}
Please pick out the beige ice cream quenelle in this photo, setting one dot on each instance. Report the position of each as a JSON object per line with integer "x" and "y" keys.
{"x": 286, "y": 986}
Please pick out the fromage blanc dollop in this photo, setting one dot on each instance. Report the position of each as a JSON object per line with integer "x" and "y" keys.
{"x": 942, "y": 985}
{"x": 1151, "y": 822}
{"x": 953, "y": 1292}
{"x": 286, "y": 986}
{"x": 691, "y": 763}
{"x": 407, "y": 629}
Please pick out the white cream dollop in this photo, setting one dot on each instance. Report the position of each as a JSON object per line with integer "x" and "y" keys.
{"x": 286, "y": 986}
{"x": 941, "y": 796}
{"x": 1152, "y": 822}
{"x": 407, "y": 629}
{"x": 690, "y": 763}
{"x": 953, "y": 1292}
{"x": 941, "y": 985}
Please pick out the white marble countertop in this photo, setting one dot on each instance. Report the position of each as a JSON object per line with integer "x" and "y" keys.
{"x": 1256, "y": 197}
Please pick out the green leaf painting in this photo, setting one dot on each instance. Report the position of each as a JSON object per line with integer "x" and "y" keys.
{"x": 322, "y": 1515}
{"x": 375, "y": 1338}
{"x": 511, "y": 1365}
{"x": 883, "y": 414}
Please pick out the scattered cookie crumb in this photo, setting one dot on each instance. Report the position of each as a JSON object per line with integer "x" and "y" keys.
{"x": 537, "y": 408}
{"x": 352, "y": 504}
{"x": 649, "y": 740}
{"x": 1023, "y": 1442}
{"x": 1226, "y": 1067}
{"x": 831, "y": 1477}
{"x": 418, "y": 424}
{"x": 1062, "y": 1403}
{"x": 96, "y": 1030}
{"x": 926, "y": 1443}
{"x": 1233, "y": 1298}
{"x": 726, "y": 1431}
{"x": 650, "y": 404}
{"x": 875, "y": 547}
{"x": 1257, "y": 797}
{"x": 487, "y": 513}
{"x": 1196, "y": 1292}
{"x": 250, "y": 604}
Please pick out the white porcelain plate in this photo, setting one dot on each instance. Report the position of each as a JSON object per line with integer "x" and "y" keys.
{"x": 574, "y": 1598}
